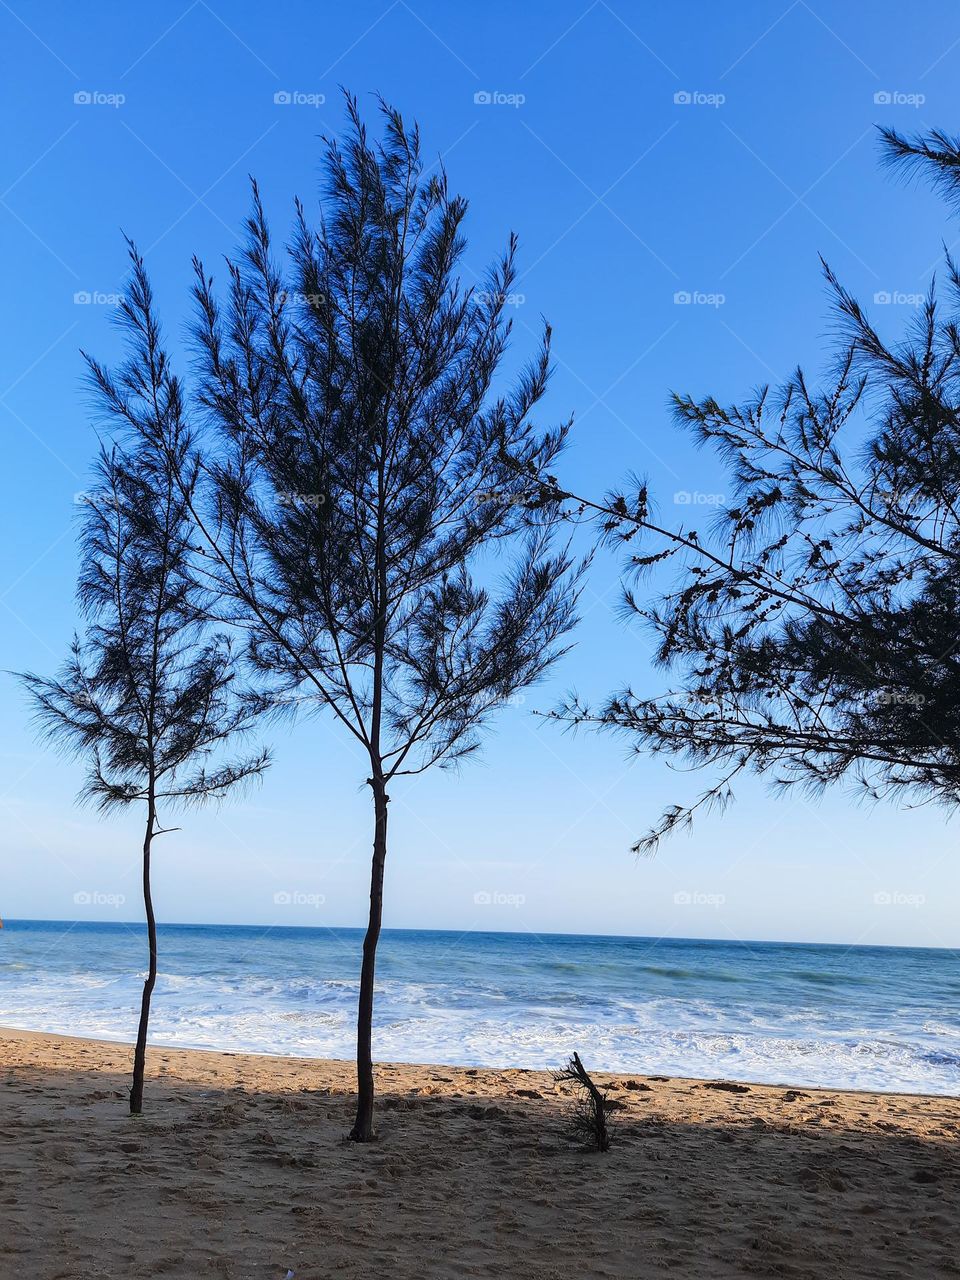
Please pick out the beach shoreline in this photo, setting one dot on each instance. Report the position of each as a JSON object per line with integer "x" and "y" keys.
{"x": 240, "y": 1168}
{"x": 347, "y": 1066}
{"x": 815, "y": 1016}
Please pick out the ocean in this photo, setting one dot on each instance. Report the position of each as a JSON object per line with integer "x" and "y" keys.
{"x": 884, "y": 1018}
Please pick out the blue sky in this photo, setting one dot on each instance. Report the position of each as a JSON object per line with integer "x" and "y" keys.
{"x": 641, "y": 152}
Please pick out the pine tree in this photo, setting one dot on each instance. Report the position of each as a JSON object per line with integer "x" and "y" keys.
{"x": 810, "y": 635}
{"x": 149, "y": 695}
{"x": 358, "y": 509}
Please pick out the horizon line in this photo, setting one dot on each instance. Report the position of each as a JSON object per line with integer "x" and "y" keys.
{"x": 510, "y": 933}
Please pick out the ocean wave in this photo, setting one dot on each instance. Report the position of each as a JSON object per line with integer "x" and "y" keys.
{"x": 704, "y": 1010}
{"x": 824, "y": 979}
{"x": 526, "y": 1040}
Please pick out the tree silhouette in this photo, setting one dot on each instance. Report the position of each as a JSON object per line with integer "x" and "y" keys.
{"x": 811, "y": 633}
{"x": 148, "y": 694}
{"x": 359, "y": 515}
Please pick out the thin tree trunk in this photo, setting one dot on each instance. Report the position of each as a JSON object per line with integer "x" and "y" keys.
{"x": 140, "y": 1053}
{"x": 362, "y": 1130}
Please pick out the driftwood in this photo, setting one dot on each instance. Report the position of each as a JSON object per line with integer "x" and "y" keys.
{"x": 589, "y": 1117}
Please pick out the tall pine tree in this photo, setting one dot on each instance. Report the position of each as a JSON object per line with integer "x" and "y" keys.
{"x": 359, "y": 512}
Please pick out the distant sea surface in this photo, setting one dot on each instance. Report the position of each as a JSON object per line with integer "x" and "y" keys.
{"x": 846, "y": 1017}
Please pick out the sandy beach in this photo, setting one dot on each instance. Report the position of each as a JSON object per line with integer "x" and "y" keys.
{"x": 239, "y": 1168}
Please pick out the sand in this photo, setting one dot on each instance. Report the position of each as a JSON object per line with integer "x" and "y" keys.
{"x": 239, "y": 1168}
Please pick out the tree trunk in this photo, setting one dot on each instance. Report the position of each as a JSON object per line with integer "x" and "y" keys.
{"x": 140, "y": 1053}
{"x": 362, "y": 1130}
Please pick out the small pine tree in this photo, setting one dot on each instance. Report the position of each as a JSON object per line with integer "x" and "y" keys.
{"x": 148, "y": 694}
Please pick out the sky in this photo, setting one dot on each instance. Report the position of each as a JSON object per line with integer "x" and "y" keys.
{"x": 673, "y": 173}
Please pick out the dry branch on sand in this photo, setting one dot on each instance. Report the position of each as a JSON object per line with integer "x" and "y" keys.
{"x": 588, "y": 1120}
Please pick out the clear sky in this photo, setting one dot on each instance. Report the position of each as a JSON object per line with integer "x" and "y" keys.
{"x": 640, "y": 151}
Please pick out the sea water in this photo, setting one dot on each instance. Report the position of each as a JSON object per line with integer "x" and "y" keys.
{"x": 847, "y": 1017}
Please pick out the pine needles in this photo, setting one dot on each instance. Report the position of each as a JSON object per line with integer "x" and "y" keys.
{"x": 588, "y": 1118}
